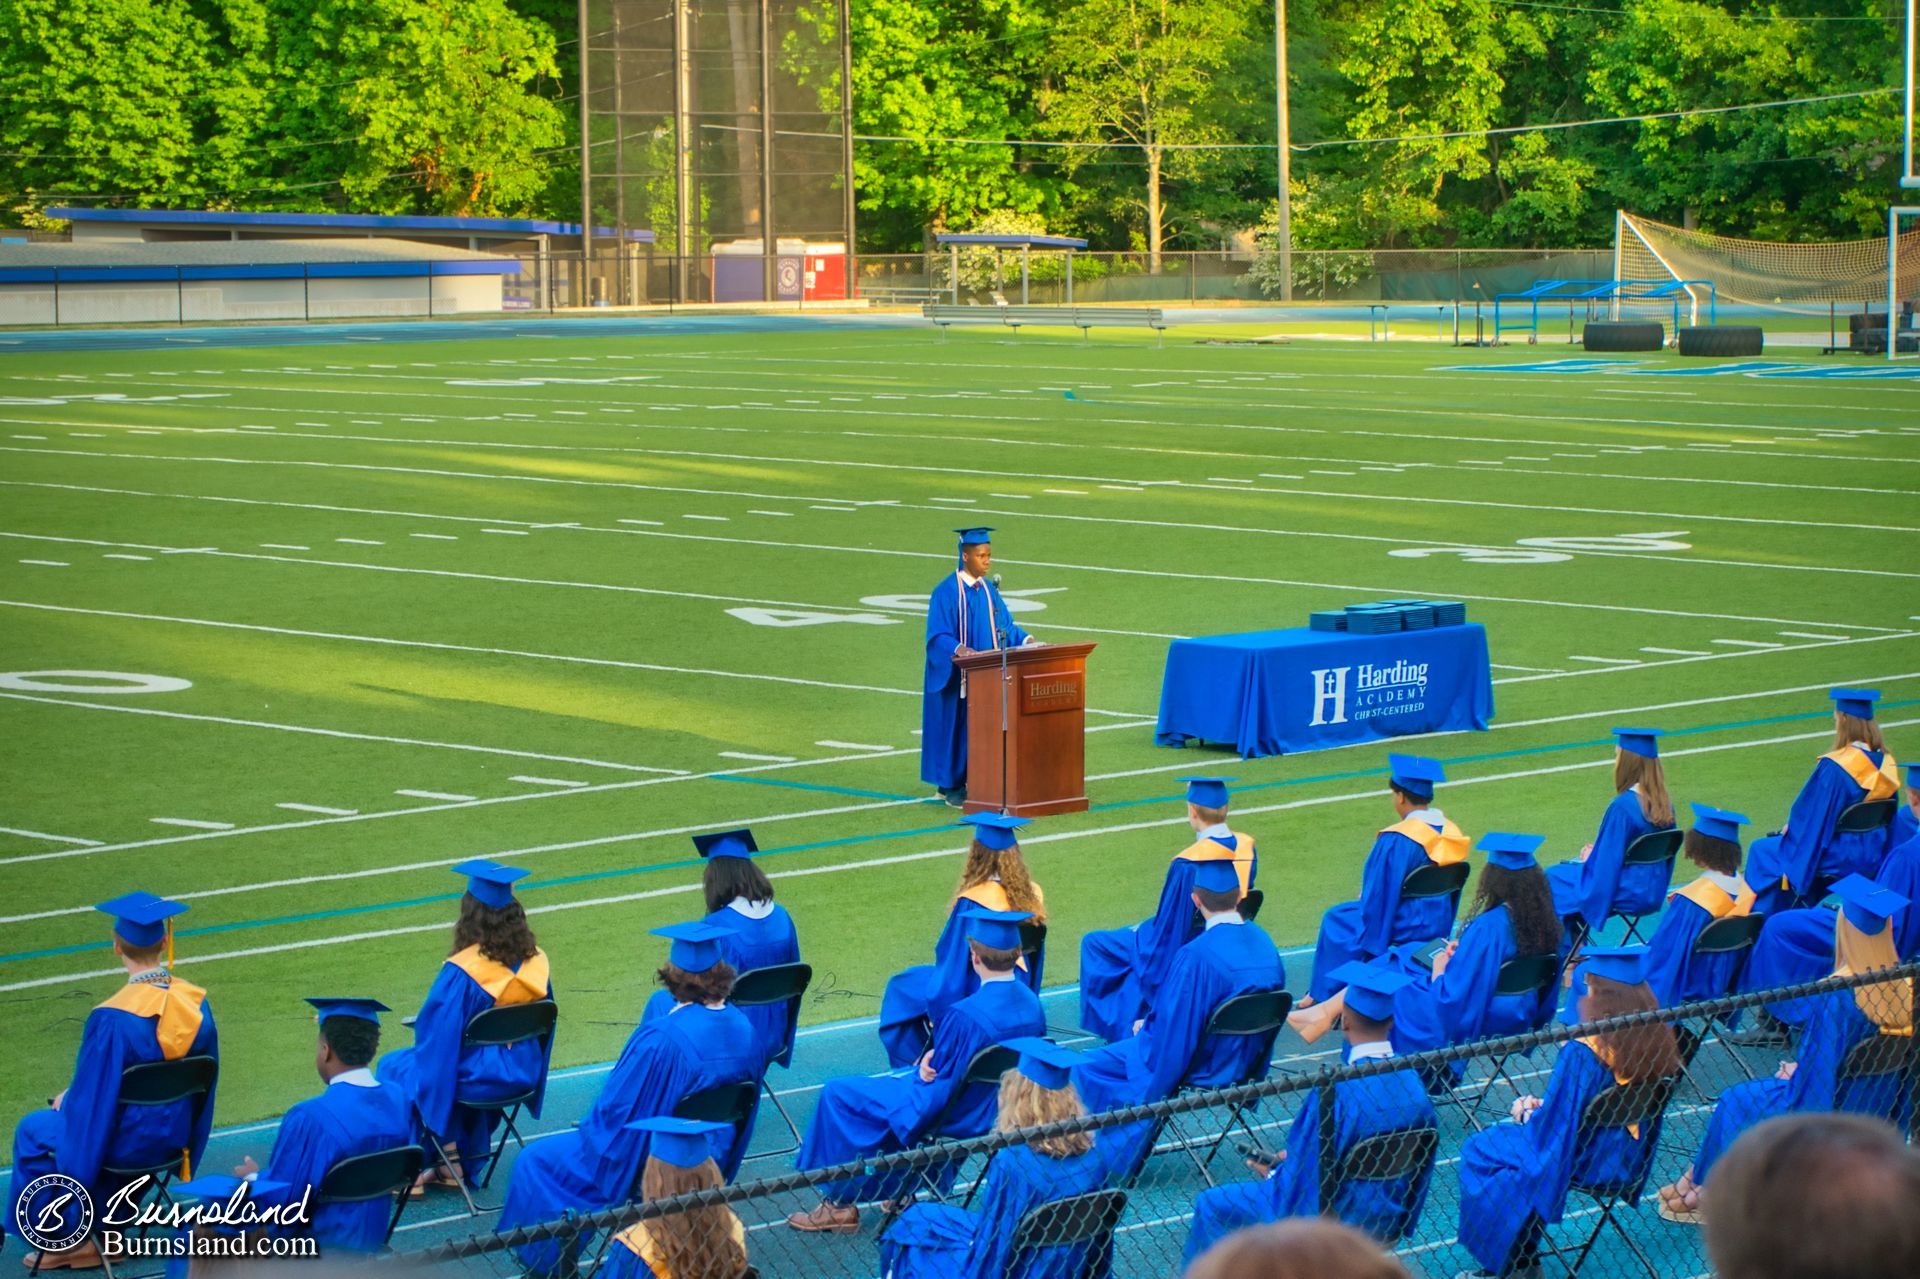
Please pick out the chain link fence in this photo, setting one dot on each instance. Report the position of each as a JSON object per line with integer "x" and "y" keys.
{"x": 1423, "y": 1152}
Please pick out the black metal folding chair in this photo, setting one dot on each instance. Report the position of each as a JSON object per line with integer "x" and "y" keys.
{"x": 160, "y": 1083}
{"x": 775, "y": 984}
{"x": 1435, "y": 880}
{"x": 1258, "y": 1014}
{"x": 1733, "y": 935}
{"x": 1384, "y": 1157}
{"x": 360, "y": 1178}
{"x": 501, "y": 1026}
{"x": 1867, "y": 815}
{"x": 1537, "y": 975}
{"x": 1881, "y": 1057}
{"x": 1640, "y": 1104}
{"x": 984, "y": 1071}
{"x": 1650, "y": 849}
{"x": 1088, "y": 1219}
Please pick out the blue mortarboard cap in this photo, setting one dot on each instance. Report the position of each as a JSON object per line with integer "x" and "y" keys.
{"x": 1639, "y": 741}
{"x": 1415, "y": 774}
{"x": 141, "y": 918}
{"x": 1718, "y": 823}
{"x": 490, "y": 883}
{"x": 997, "y": 929}
{"x": 974, "y": 536}
{"x": 1857, "y": 702}
{"x": 696, "y": 946}
{"x": 684, "y": 1143}
{"x": 1510, "y": 851}
{"x": 995, "y": 830}
{"x": 1217, "y": 876}
{"x": 219, "y": 1187}
{"x": 1045, "y": 1062}
{"x": 1207, "y": 792}
{"x": 326, "y": 1006}
{"x": 1370, "y": 989}
{"x": 1623, "y": 964}
{"x": 727, "y": 843}
{"x": 1866, "y": 904}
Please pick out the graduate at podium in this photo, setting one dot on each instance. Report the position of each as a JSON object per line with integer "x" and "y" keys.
{"x": 1366, "y": 929}
{"x": 965, "y": 614}
{"x": 1121, "y": 969}
{"x": 155, "y": 1016}
{"x": 355, "y": 1114}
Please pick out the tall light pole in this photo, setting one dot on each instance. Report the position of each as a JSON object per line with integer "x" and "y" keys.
{"x": 1285, "y": 230}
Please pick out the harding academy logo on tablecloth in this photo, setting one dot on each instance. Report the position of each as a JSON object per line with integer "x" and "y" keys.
{"x": 1399, "y": 689}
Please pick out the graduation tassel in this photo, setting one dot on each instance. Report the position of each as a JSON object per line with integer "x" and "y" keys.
{"x": 169, "y": 946}
{"x": 186, "y": 1164}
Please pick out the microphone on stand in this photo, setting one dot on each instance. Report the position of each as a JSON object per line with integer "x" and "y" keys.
{"x": 999, "y": 634}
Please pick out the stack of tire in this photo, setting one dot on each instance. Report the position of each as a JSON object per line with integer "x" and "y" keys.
{"x": 1867, "y": 334}
{"x": 1716, "y": 341}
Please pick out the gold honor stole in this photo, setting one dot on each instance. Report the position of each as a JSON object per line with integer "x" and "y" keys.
{"x": 1207, "y": 850}
{"x": 1443, "y": 847}
{"x": 1715, "y": 900}
{"x": 174, "y": 1007}
{"x": 1879, "y": 783}
{"x": 1593, "y": 1043}
{"x": 991, "y": 896}
{"x": 506, "y": 986}
{"x": 639, "y": 1240}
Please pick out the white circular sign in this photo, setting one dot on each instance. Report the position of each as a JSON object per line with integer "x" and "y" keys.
{"x": 90, "y": 682}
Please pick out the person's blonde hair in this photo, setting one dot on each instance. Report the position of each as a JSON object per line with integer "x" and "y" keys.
{"x": 1010, "y": 868}
{"x": 1629, "y": 770}
{"x": 694, "y": 1243}
{"x": 1887, "y": 1004}
{"x": 1848, "y": 729}
{"x": 1025, "y": 1104}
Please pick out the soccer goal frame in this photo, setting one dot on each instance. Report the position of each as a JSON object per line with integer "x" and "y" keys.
{"x": 1895, "y": 216}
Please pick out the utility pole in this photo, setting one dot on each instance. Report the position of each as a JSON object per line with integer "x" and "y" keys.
{"x": 1285, "y": 230}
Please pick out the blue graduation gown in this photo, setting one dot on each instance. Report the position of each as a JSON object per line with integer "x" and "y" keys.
{"x": 1460, "y": 1005}
{"x": 956, "y": 614}
{"x": 1592, "y": 889}
{"x": 343, "y": 1121}
{"x": 1368, "y": 928}
{"x": 917, "y": 996}
{"x": 942, "y": 1241}
{"x": 1122, "y": 969}
{"x": 597, "y": 1164}
{"x": 763, "y": 943}
{"x": 91, "y": 1130}
{"x": 1796, "y": 868}
{"x": 1834, "y": 1025}
{"x": 436, "y": 1070}
{"x": 1362, "y": 1108}
{"x": 1223, "y": 961}
{"x": 1512, "y": 1173}
{"x": 861, "y": 1116}
{"x": 1676, "y": 975}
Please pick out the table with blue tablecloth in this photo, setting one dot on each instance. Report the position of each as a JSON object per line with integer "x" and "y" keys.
{"x": 1277, "y": 692}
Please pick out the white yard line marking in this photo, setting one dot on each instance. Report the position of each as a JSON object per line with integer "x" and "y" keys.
{"x": 48, "y": 563}
{"x": 448, "y": 796}
{"x": 644, "y": 523}
{"x": 189, "y": 822}
{"x": 1677, "y": 652}
{"x": 508, "y": 532}
{"x": 782, "y": 513}
{"x": 284, "y": 546}
{"x": 850, "y": 746}
{"x": 112, "y": 556}
{"x": 1731, "y": 643}
{"x": 1812, "y": 635}
{"x": 435, "y": 537}
{"x": 359, "y": 541}
{"x": 1705, "y": 657}
{"x": 1508, "y": 666}
{"x": 717, "y": 519}
{"x": 57, "y": 839}
{"x": 759, "y": 759}
{"x": 1605, "y": 661}
{"x": 321, "y": 809}
{"x": 548, "y": 781}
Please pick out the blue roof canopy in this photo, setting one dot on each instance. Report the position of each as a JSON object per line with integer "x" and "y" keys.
{"x": 1011, "y": 241}
{"x": 342, "y": 221}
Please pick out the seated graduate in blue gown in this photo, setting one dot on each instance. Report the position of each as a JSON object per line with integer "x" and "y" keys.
{"x": 1368, "y": 928}
{"x": 1799, "y": 863}
{"x": 859, "y": 1117}
{"x": 355, "y": 1114}
{"x": 760, "y": 933}
{"x": 495, "y": 963}
{"x": 1514, "y": 1177}
{"x": 1121, "y": 969}
{"x": 1796, "y": 946}
{"x": 965, "y": 614}
{"x": 701, "y": 1043}
{"x": 942, "y": 1241}
{"x": 1450, "y": 998}
{"x": 1835, "y": 1022}
{"x": 706, "y": 1242}
{"x": 1675, "y": 973}
{"x": 1586, "y": 891}
{"x": 994, "y": 879}
{"x": 155, "y": 1016}
{"x": 1362, "y": 1108}
{"x": 1231, "y": 956}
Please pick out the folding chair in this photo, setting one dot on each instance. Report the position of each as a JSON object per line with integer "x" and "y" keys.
{"x": 1734, "y": 935}
{"x": 1521, "y": 975}
{"x": 1650, "y": 849}
{"x": 1087, "y": 1219}
{"x": 1435, "y": 880}
{"x": 1259, "y": 1013}
{"x": 1384, "y": 1157}
{"x": 1880, "y": 1062}
{"x": 775, "y": 984}
{"x": 1867, "y": 815}
{"x": 1621, "y": 1106}
{"x": 984, "y": 1071}
{"x": 498, "y": 1027}
{"x": 359, "y": 1178}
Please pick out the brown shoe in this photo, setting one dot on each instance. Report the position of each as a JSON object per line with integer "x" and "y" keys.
{"x": 827, "y": 1219}
{"x": 84, "y": 1257}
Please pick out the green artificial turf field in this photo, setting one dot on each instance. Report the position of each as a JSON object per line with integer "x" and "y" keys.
{"x": 567, "y": 601}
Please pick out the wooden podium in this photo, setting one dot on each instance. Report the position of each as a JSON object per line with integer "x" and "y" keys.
{"x": 1044, "y": 697}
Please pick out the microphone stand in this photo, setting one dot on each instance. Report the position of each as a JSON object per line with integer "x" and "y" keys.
{"x": 1001, "y": 640}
